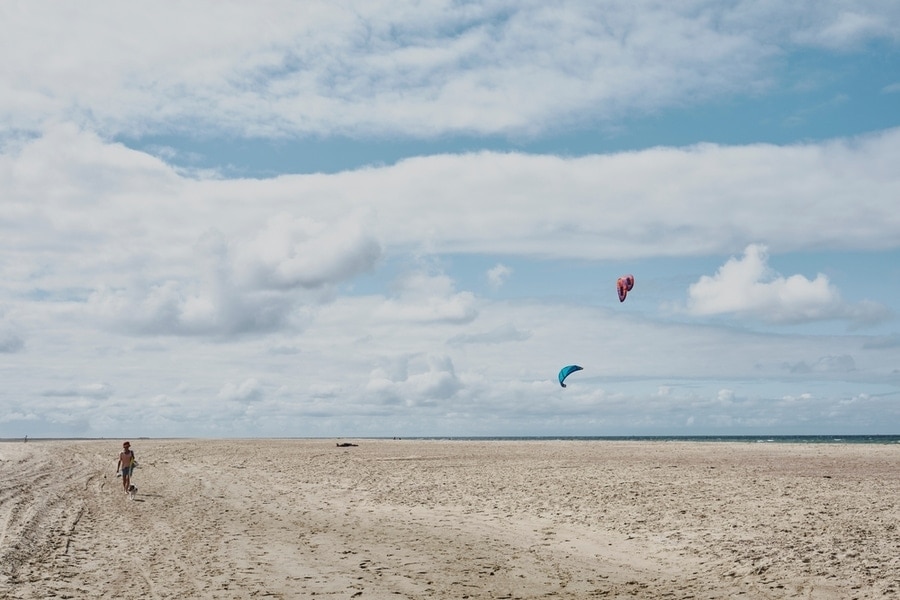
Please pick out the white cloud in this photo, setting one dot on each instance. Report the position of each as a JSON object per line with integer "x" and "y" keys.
{"x": 249, "y": 389}
{"x": 360, "y": 373}
{"x": 499, "y": 335}
{"x": 725, "y": 396}
{"x": 748, "y": 287}
{"x": 10, "y": 340}
{"x": 843, "y": 363}
{"x": 439, "y": 382}
{"x": 291, "y": 251}
{"x": 839, "y": 28}
{"x": 497, "y": 275}
{"x": 86, "y": 230}
{"x": 420, "y": 381}
{"x": 118, "y": 268}
{"x": 257, "y": 284}
{"x": 190, "y": 308}
{"x": 420, "y": 69}
{"x": 89, "y": 390}
{"x": 421, "y": 297}
{"x": 654, "y": 202}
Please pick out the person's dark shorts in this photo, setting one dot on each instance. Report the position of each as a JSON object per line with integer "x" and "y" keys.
{"x": 126, "y": 471}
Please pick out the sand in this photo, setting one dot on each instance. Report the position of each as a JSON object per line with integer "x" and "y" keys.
{"x": 450, "y": 519}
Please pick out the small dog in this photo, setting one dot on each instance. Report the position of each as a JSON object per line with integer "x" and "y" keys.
{"x": 132, "y": 491}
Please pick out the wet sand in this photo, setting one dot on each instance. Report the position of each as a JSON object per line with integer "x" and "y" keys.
{"x": 450, "y": 519}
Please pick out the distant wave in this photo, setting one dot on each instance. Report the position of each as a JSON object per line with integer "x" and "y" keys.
{"x": 774, "y": 439}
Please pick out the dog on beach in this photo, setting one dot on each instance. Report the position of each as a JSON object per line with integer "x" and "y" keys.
{"x": 132, "y": 491}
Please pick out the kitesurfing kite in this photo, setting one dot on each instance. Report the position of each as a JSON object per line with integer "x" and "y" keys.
{"x": 566, "y": 371}
{"x": 624, "y": 285}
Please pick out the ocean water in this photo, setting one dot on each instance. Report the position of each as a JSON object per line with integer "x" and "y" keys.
{"x": 759, "y": 439}
{"x": 773, "y": 439}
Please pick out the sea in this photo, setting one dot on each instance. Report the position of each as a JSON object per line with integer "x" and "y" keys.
{"x": 757, "y": 439}
{"x": 773, "y": 439}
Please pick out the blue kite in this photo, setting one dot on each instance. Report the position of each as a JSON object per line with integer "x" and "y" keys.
{"x": 566, "y": 371}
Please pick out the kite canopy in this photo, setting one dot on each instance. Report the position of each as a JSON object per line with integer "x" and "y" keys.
{"x": 566, "y": 371}
{"x": 624, "y": 285}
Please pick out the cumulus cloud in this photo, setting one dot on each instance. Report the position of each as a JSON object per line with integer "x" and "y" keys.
{"x": 747, "y": 286}
{"x": 258, "y": 284}
{"x": 422, "y": 297}
{"x": 725, "y": 396}
{"x": 190, "y": 308}
{"x": 417, "y": 381}
{"x": 293, "y": 251}
{"x": 497, "y": 275}
{"x": 247, "y": 390}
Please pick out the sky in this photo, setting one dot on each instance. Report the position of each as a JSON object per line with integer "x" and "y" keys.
{"x": 397, "y": 219}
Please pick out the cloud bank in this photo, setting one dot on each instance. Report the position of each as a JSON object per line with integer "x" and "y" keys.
{"x": 440, "y": 294}
{"x": 415, "y": 69}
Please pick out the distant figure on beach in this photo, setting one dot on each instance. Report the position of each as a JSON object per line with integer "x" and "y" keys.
{"x": 126, "y": 464}
{"x": 26, "y": 439}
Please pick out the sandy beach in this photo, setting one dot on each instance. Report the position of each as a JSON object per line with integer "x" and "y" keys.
{"x": 450, "y": 519}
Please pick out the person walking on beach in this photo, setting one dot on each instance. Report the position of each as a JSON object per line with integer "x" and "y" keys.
{"x": 126, "y": 464}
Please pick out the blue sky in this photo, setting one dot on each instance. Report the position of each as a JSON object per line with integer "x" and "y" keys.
{"x": 403, "y": 218}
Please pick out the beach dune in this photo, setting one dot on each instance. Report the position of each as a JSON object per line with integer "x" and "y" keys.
{"x": 237, "y": 519}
